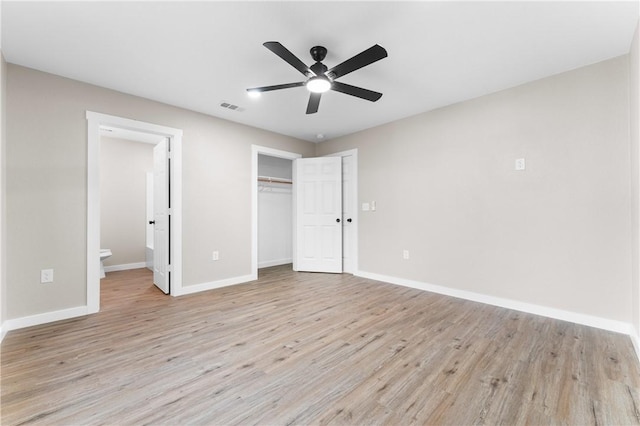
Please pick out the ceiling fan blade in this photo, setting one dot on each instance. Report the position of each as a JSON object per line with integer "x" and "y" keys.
{"x": 362, "y": 59}
{"x": 314, "y": 102}
{"x": 359, "y": 92}
{"x": 276, "y": 87}
{"x": 289, "y": 57}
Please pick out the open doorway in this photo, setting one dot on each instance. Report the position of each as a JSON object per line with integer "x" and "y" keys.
{"x": 125, "y": 160}
{"x": 350, "y": 204}
{"x": 270, "y": 161}
{"x": 128, "y": 171}
{"x": 275, "y": 221}
{"x": 172, "y": 220}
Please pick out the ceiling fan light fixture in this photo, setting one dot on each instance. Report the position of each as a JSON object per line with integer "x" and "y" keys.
{"x": 318, "y": 84}
{"x": 319, "y": 78}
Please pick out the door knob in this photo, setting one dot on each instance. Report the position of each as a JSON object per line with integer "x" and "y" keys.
{"x": 349, "y": 220}
{"x": 152, "y": 222}
{"x": 338, "y": 220}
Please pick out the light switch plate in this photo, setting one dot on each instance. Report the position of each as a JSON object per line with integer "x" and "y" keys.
{"x": 520, "y": 165}
{"x": 365, "y": 207}
{"x": 46, "y": 276}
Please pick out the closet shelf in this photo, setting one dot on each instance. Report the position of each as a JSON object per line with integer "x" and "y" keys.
{"x": 274, "y": 180}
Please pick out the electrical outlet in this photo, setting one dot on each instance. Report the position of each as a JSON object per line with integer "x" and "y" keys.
{"x": 215, "y": 255}
{"x": 373, "y": 206}
{"x": 46, "y": 276}
{"x": 405, "y": 254}
{"x": 520, "y": 165}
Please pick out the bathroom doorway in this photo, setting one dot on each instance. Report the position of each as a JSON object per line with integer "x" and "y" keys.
{"x": 169, "y": 216}
{"x": 130, "y": 164}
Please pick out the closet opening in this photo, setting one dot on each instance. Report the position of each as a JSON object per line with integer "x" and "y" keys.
{"x": 271, "y": 207}
{"x": 261, "y": 185}
{"x": 275, "y": 222}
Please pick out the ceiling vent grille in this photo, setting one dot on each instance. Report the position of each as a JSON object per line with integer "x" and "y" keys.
{"x": 231, "y": 106}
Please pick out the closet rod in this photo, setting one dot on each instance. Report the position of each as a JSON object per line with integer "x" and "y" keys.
{"x": 274, "y": 180}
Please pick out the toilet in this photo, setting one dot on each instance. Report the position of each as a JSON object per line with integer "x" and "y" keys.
{"x": 104, "y": 254}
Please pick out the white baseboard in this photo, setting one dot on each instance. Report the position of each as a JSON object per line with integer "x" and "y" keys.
{"x": 125, "y": 266}
{"x": 215, "y": 284}
{"x": 47, "y": 317}
{"x": 589, "y": 320}
{"x": 268, "y": 263}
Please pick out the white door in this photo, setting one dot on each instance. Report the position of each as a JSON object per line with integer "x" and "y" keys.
{"x": 317, "y": 192}
{"x": 161, "y": 216}
{"x": 150, "y": 228}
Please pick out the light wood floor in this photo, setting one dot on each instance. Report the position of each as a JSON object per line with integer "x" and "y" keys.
{"x": 298, "y": 348}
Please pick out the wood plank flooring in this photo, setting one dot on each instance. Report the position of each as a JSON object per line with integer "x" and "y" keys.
{"x": 301, "y": 348}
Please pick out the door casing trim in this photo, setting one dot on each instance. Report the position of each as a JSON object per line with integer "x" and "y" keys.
{"x": 94, "y": 121}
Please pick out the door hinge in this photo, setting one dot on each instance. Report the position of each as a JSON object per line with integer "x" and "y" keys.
{"x": 169, "y": 268}
{"x": 169, "y": 211}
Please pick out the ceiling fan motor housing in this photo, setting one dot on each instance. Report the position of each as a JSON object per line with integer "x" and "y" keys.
{"x": 318, "y": 69}
{"x": 318, "y": 53}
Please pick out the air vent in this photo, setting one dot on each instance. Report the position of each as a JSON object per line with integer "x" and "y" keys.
{"x": 231, "y": 106}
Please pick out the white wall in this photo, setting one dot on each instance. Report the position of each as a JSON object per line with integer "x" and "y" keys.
{"x": 124, "y": 165}
{"x": 47, "y": 192}
{"x": 274, "y": 167}
{"x": 634, "y": 114}
{"x": 557, "y": 235}
{"x": 275, "y": 222}
{"x": 3, "y": 192}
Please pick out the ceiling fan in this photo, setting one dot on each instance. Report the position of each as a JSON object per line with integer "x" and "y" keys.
{"x": 321, "y": 79}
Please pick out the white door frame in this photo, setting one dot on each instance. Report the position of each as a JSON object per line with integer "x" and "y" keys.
{"x": 94, "y": 121}
{"x": 255, "y": 150}
{"x": 354, "y": 190}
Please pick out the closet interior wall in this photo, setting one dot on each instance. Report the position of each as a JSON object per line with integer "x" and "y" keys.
{"x": 275, "y": 221}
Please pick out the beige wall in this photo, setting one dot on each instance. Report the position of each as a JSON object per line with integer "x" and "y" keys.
{"x": 124, "y": 165}
{"x": 634, "y": 114}
{"x": 3, "y": 168}
{"x": 556, "y": 235}
{"x": 46, "y": 187}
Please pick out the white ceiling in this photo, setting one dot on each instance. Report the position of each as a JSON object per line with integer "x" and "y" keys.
{"x": 197, "y": 54}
